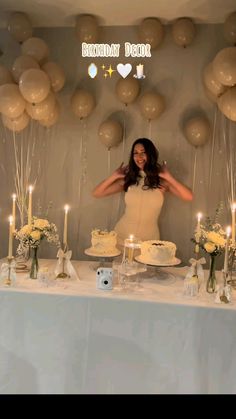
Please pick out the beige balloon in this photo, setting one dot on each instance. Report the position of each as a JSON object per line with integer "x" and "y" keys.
{"x": 12, "y": 104}
{"x": 110, "y": 133}
{"x": 56, "y": 75}
{"x": 36, "y": 48}
{"x": 151, "y": 32}
{"x": 227, "y": 103}
{"x": 210, "y": 95}
{"x": 197, "y": 130}
{"x": 230, "y": 28}
{"x": 43, "y": 109}
{"x": 19, "y": 26}
{"x": 21, "y": 64}
{"x": 224, "y": 66}
{"x": 152, "y": 105}
{"x": 127, "y": 90}
{"x": 52, "y": 117}
{"x": 82, "y": 103}
{"x": 5, "y": 75}
{"x": 16, "y": 124}
{"x": 87, "y": 29}
{"x": 183, "y": 31}
{"x": 34, "y": 85}
{"x": 211, "y": 82}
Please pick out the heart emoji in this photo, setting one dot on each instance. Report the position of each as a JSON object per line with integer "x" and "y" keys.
{"x": 124, "y": 69}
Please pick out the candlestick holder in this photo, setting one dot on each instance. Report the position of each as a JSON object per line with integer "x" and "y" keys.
{"x": 232, "y": 267}
{"x": 8, "y": 280}
{"x": 63, "y": 257}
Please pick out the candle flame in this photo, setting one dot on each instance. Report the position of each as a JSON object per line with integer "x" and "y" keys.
{"x": 11, "y": 219}
{"x": 199, "y": 216}
{"x": 66, "y": 208}
{"x": 233, "y": 207}
{"x": 228, "y": 231}
{"x": 14, "y": 197}
{"x": 30, "y": 188}
{"x": 131, "y": 236}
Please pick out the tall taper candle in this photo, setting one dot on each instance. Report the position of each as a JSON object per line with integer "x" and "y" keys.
{"x": 13, "y": 212}
{"x": 233, "y": 208}
{"x": 198, "y": 232}
{"x": 228, "y": 231}
{"x": 30, "y": 205}
{"x": 131, "y": 248}
{"x": 66, "y": 208}
{"x": 10, "y": 241}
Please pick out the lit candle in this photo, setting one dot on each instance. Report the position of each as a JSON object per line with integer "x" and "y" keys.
{"x": 131, "y": 248}
{"x": 228, "y": 231}
{"x": 66, "y": 208}
{"x": 198, "y": 232}
{"x": 13, "y": 212}
{"x": 30, "y": 205}
{"x": 10, "y": 241}
{"x": 233, "y": 208}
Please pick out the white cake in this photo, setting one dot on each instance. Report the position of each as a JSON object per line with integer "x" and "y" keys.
{"x": 104, "y": 242}
{"x": 158, "y": 252}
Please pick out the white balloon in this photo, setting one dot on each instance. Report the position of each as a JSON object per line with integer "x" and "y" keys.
{"x": 19, "y": 26}
{"x": 224, "y": 66}
{"x": 230, "y": 28}
{"x": 56, "y": 75}
{"x": 36, "y": 48}
{"x": 227, "y": 103}
{"x": 183, "y": 31}
{"x": 12, "y": 104}
{"x": 22, "y": 63}
{"x": 197, "y": 130}
{"x": 16, "y": 124}
{"x": 5, "y": 75}
{"x": 34, "y": 85}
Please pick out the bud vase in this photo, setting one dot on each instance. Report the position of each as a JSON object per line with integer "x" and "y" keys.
{"x": 34, "y": 263}
{"x": 211, "y": 282}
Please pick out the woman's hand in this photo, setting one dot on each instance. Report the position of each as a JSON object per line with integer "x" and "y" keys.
{"x": 121, "y": 171}
{"x": 164, "y": 173}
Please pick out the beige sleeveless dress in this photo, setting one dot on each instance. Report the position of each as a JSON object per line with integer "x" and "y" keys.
{"x": 142, "y": 210}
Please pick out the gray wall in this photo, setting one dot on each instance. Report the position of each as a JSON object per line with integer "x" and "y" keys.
{"x": 58, "y": 161}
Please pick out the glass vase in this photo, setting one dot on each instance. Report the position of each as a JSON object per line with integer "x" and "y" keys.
{"x": 34, "y": 263}
{"x": 211, "y": 282}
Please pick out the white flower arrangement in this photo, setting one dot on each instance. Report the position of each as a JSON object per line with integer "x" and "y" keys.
{"x": 30, "y": 235}
{"x": 210, "y": 236}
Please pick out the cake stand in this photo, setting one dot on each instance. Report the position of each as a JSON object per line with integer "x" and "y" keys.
{"x": 103, "y": 259}
{"x": 157, "y": 272}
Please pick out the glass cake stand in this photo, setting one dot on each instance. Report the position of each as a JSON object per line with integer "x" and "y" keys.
{"x": 104, "y": 260}
{"x": 155, "y": 271}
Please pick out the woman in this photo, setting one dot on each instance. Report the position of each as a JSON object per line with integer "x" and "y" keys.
{"x": 145, "y": 182}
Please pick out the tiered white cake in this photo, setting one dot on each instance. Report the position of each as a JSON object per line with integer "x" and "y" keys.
{"x": 104, "y": 242}
{"x": 158, "y": 252}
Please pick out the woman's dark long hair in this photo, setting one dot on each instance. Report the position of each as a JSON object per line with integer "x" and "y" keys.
{"x": 152, "y": 168}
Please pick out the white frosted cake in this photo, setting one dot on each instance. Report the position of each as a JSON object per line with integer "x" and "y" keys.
{"x": 104, "y": 242}
{"x": 158, "y": 252}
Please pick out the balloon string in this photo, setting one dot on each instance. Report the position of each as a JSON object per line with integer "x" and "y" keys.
{"x": 212, "y": 150}
{"x": 123, "y": 159}
{"x": 108, "y": 173}
{"x": 194, "y": 169}
{"x": 149, "y": 129}
{"x": 80, "y": 174}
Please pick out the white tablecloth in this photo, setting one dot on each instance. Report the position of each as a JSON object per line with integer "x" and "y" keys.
{"x": 72, "y": 338}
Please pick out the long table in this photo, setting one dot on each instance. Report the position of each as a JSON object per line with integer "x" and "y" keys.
{"x": 69, "y": 337}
